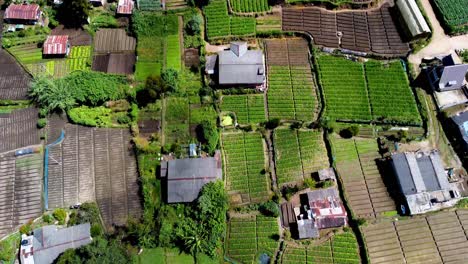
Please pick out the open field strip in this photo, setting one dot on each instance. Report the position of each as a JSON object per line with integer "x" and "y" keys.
{"x": 248, "y": 108}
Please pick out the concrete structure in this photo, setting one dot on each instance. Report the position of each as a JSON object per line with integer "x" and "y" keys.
{"x": 238, "y": 66}
{"x": 56, "y": 46}
{"x": 423, "y": 182}
{"x": 48, "y": 242}
{"x": 186, "y": 177}
{"x": 22, "y": 14}
{"x": 415, "y": 24}
{"x": 327, "y": 174}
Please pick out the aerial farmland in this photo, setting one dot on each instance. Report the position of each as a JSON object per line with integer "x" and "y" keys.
{"x": 240, "y": 131}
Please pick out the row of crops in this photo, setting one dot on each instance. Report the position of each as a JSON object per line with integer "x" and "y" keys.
{"x": 342, "y": 248}
{"x": 176, "y": 126}
{"x": 249, "y": 6}
{"x": 454, "y": 13}
{"x": 290, "y": 94}
{"x": 245, "y": 168}
{"x": 298, "y": 153}
{"x": 251, "y": 235}
{"x": 220, "y": 24}
{"x": 79, "y": 58}
{"x": 370, "y": 91}
{"x": 248, "y": 108}
{"x": 149, "y": 5}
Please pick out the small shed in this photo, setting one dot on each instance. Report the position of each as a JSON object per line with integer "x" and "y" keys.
{"x": 327, "y": 174}
{"x": 414, "y": 21}
{"x": 125, "y": 7}
{"x": 56, "y": 46}
{"x": 22, "y": 14}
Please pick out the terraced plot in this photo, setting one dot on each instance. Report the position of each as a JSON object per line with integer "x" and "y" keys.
{"x": 14, "y": 80}
{"x": 291, "y": 87}
{"x": 244, "y": 155}
{"x": 19, "y": 129}
{"x": 436, "y": 238}
{"x": 94, "y": 164}
{"x": 341, "y": 248}
{"x": 356, "y": 163}
{"x": 248, "y": 108}
{"x": 251, "y": 235}
{"x": 20, "y": 189}
{"x": 298, "y": 153}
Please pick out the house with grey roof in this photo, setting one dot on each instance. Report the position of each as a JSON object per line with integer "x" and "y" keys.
{"x": 447, "y": 76}
{"x": 414, "y": 23}
{"x": 185, "y": 178}
{"x": 48, "y": 242}
{"x": 423, "y": 182}
{"x": 460, "y": 131}
{"x": 238, "y": 66}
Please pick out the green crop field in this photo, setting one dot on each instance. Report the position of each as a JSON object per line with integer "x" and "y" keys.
{"x": 249, "y": 6}
{"x": 79, "y": 58}
{"x": 298, "y": 154}
{"x": 177, "y": 115}
{"x": 248, "y": 108}
{"x": 244, "y": 154}
{"x": 389, "y": 92}
{"x": 173, "y": 57}
{"x": 220, "y": 24}
{"x": 341, "y": 248}
{"x": 290, "y": 94}
{"x": 454, "y": 13}
{"x": 251, "y": 235}
{"x": 149, "y": 5}
{"x": 367, "y": 92}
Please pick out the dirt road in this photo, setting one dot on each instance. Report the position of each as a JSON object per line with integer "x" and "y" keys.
{"x": 440, "y": 43}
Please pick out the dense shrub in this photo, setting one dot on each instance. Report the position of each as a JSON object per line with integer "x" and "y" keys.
{"x": 42, "y": 122}
{"x": 61, "y": 215}
{"x": 269, "y": 208}
{"x": 47, "y": 218}
{"x": 91, "y": 116}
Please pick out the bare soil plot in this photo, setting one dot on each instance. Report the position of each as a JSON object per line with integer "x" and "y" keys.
{"x": 76, "y": 36}
{"x": 113, "y": 40}
{"x": 95, "y": 164}
{"x": 14, "y": 80}
{"x": 364, "y": 30}
{"x": 436, "y": 238}
{"x": 356, "y": 162}
{"x": 116, "y": 63}
{"x": 20, "y": 190}
{"x": 19, "y": 129}
{"x": 191, "y": 57}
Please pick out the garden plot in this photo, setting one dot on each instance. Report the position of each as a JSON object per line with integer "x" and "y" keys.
{"x": 357, "y": 91}
{"x": 19, "y": 129}
{"x": 291, "y": 87}
{"x": 248, "y": 108}
{"x": 249, "y": 6}
{"x": 14, "y": 81}
{"x": 298, "y": 153}
{"x": 436, "y": 238}
{"x": 220, "y": 24}
{"x": 454, "y": 14}
{"x": 249, "y": 236}
{"x": 95, "y": 164}
{"x": 341, "y": 248}
{"x": 244, "y": 155}
{"x": 20, "y": 189}
{"x": 176, "y": 124}
{"x": 364, "y": 186}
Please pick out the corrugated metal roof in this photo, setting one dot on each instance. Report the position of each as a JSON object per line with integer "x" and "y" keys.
{"x": 186, "y": 177}
{"x": 453, "y": 77}
{"x": 125, "y": 7}
{"x": 29, "y": 12}
{"x": 413, "y": 17}
{"x": 55, "y": 45}
{"x": 248, "y": 68}
{"x": 49, "y": 241}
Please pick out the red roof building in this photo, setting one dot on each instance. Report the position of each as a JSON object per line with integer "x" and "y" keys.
{"x": 22, "y": 12}
{"x": 125, "y": 7}
{"x": 56, "y": 45}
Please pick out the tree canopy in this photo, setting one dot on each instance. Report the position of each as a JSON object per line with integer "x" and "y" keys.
{"x": 74, "y": 13}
